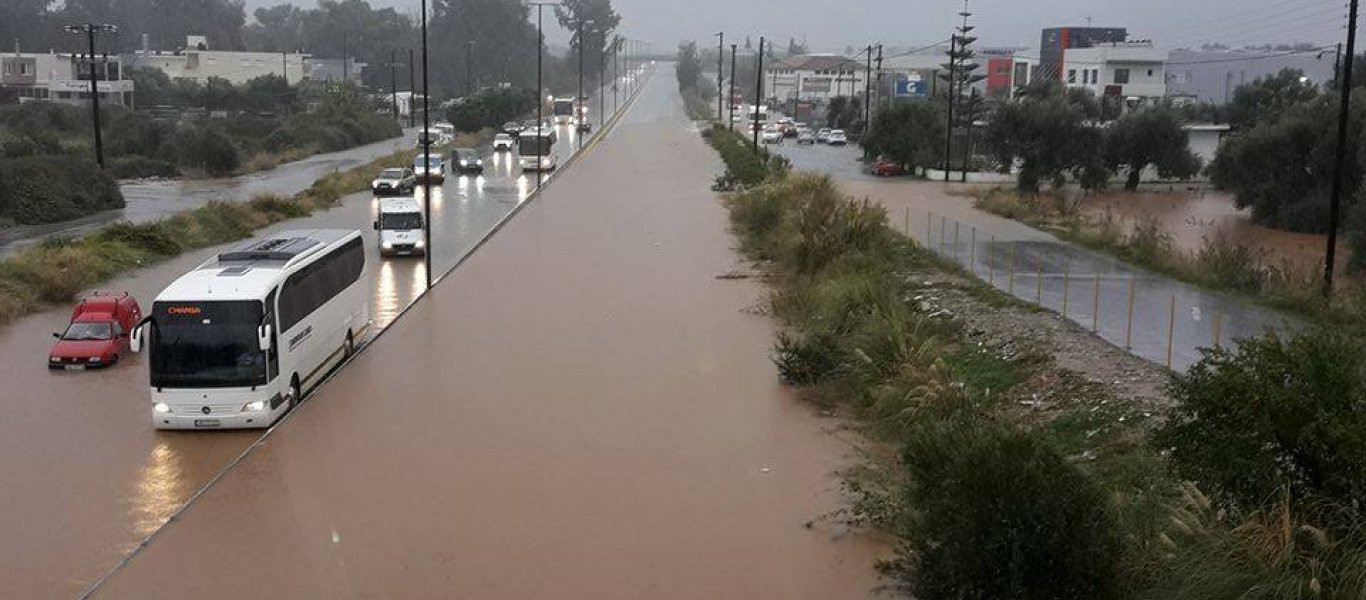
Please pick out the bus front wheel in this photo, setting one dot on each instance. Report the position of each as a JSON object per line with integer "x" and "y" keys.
{"x": 296, "y": 396}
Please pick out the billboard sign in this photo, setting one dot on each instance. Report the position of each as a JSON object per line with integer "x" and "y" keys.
{"x": 910, "y": 88}
{"x": 816, "y": 84}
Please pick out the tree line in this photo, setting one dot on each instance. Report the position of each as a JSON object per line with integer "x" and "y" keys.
{"x": 503, "y": 33}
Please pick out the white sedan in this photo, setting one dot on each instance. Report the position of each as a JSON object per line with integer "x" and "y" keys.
{"x": 772, "y": 135}
{"x": 503, "y": 143}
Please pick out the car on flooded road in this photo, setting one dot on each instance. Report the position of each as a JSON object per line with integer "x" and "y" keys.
{"x": 466, "y": 161}
{"x": 393, "y": 181}
{"x": 885, "y": 167}
{"x": 97, "y": 334}
{"x": 837, "y": 138}
{"x": 504, "y": 142}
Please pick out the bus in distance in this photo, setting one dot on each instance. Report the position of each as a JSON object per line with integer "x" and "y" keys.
{"x": 563, "y": 110}
{"x": 238, "y": 341}
{"x": 536, "y": 149}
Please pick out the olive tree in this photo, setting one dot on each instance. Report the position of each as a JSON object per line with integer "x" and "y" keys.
{"x": 1149, "y": 136}
{"x": 1050, "y": 131}
{"x": 908, "y": 133}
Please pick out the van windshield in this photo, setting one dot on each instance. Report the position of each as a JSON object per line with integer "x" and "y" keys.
{"x": 400, "y": 220}
{"x": 206, "y": 344}
{"x": 88, "y": 331}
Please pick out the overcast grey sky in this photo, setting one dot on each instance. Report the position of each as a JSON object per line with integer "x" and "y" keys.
{"x": 831, "y": 25}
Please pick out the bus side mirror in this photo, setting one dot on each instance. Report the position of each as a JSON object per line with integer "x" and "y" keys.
{"x": 263, "y": 337}
{"x": 375, "y": 225}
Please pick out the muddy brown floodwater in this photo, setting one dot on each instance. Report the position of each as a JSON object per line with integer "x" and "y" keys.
{"x": 582, "y": 411}
{"x": 1193, "y": 215}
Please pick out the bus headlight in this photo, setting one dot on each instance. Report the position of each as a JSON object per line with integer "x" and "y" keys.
{"x": 255, "y": 406}
{"x": 161, "y": 407}
{"x": 388, "y": 245}
{"x": 419, "y": 243}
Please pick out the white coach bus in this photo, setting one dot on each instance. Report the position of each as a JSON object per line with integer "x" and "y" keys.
{"x": 236, "y": 342}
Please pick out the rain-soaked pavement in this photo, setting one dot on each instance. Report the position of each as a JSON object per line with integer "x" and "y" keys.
{"x": 581, "y": 411}
{"x": 1092, "y": 289}
{"x": 85, "y": 477}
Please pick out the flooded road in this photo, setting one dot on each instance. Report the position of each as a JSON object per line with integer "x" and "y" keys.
{"x": 149, "y": 200}
{"x": 581, "y": 411}
{"x": 86, "y": 478}
{"x": 1166, "y": 322}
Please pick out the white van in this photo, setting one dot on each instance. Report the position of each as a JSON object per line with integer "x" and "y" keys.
{"x": 399, "y": 228}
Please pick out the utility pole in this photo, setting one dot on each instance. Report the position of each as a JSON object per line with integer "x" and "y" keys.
{"x": 90, "y": 29}
{"x": 579, "y": 98}
{"x": 346, "y": 64}
{"x": 1335, "y": 200}
{"x": 867, "y": 88}
{"x": 602, "y": 79}
{"x": 879, "y": 75}
{"x": 426, "y": 158}
{"x": 412, "y": 91}
{"x": 284, "y": 66}
{"x": 952, "y": 74}
{"x": 730, "y": 122}
{"x": 393, "y": 80}
{"x": 616, "y": 72}
{"x": 758, "y": 91}
{"x": 720, "y": 72}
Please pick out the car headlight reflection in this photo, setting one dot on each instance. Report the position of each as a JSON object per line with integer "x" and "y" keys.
{"x": 161, "y": 407}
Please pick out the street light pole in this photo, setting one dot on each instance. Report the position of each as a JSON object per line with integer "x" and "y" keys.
{"x": 730, "y": 122}
{"x": 720, "y": 72}
{"x": 393, "y": 80}
{"x": 426, "y": 158}
{"x": 579, "y": 98}
{"x": 469, "y": 68}
{"x": 616, "y": 73}
{"x": 758, "y": 91}
{"x": 540, "y": 102}
{"x": 1335, "y": 200}
{"x": 89, "y": 29}
{"x": 602, "y": 79}
{"x": 412, "y": 91}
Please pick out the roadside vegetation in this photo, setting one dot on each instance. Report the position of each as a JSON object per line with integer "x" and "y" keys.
{"x": 699, "y": 94}
{"x": 490, "y": 108}
{"x": 56, "y": 270}
{"x": 1004, "y": 475}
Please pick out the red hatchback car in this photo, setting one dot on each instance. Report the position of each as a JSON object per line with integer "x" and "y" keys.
{"x": 98, "y": 332}
{"x": 882, "y": 167}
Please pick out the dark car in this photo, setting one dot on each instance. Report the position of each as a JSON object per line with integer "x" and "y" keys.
{"x": 394, "y": 181}
{"x": 466, "y": 160}
{"x": 512, "y": 128}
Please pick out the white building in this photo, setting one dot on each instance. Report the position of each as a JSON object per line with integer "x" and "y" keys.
{"x": 813, "y": 78}
{"x": 199, "y": 63}
{"x": 65, "y": 78}
{"x": 1204, "y": 140}
{"x": 1134, "y": 71}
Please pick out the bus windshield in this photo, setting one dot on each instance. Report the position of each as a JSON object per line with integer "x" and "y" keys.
{"x": 206, "y": 345}
{"x": 401, "y": 221}
{"x": 564, "y": 107}
{"x": 530, "y": 145}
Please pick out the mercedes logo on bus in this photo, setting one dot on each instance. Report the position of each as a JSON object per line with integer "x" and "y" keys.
{"x": 204, "y": 410}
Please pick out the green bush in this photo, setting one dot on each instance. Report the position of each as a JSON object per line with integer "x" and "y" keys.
{"x": 744, "y": 166}
{"x": 1000, "y": 515}
{"x": 45, "y": 189}
{"x": 153, "y": 238}
{"x": 1274, "y": 414}
{"x": 491, "y": 107}
{"x": 201, "y": 147}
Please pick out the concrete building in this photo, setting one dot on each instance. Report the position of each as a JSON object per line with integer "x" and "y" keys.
{"x": 1007, "y": 71}
{"x": 813, "y": 78}
{"x": 334, "y": 70}
{"x": 65, "y": 78}
{"x": 1134, "y": 71}
{"x": 197, "y": 62}
{"x": 1212, "y": 76}
{"x": 1056, "y": 42}
{"x": 1203, "y": 140}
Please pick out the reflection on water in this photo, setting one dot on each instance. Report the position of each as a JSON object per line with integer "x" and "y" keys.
{"x": 400, "y": 281}
{"x": 160, "y": 489}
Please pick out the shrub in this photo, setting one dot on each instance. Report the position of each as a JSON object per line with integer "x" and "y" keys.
{"x": 744, "y": 166}
{"x": 1276, "y": 413}
{"x": 278, "y": 208}
{"x": 152, "y": 238}
{"x": 203, "y": 148}
{"x": 1233, "y": 265}
{"x": 998, "y": 514}
{"x": 44, "y": 189}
